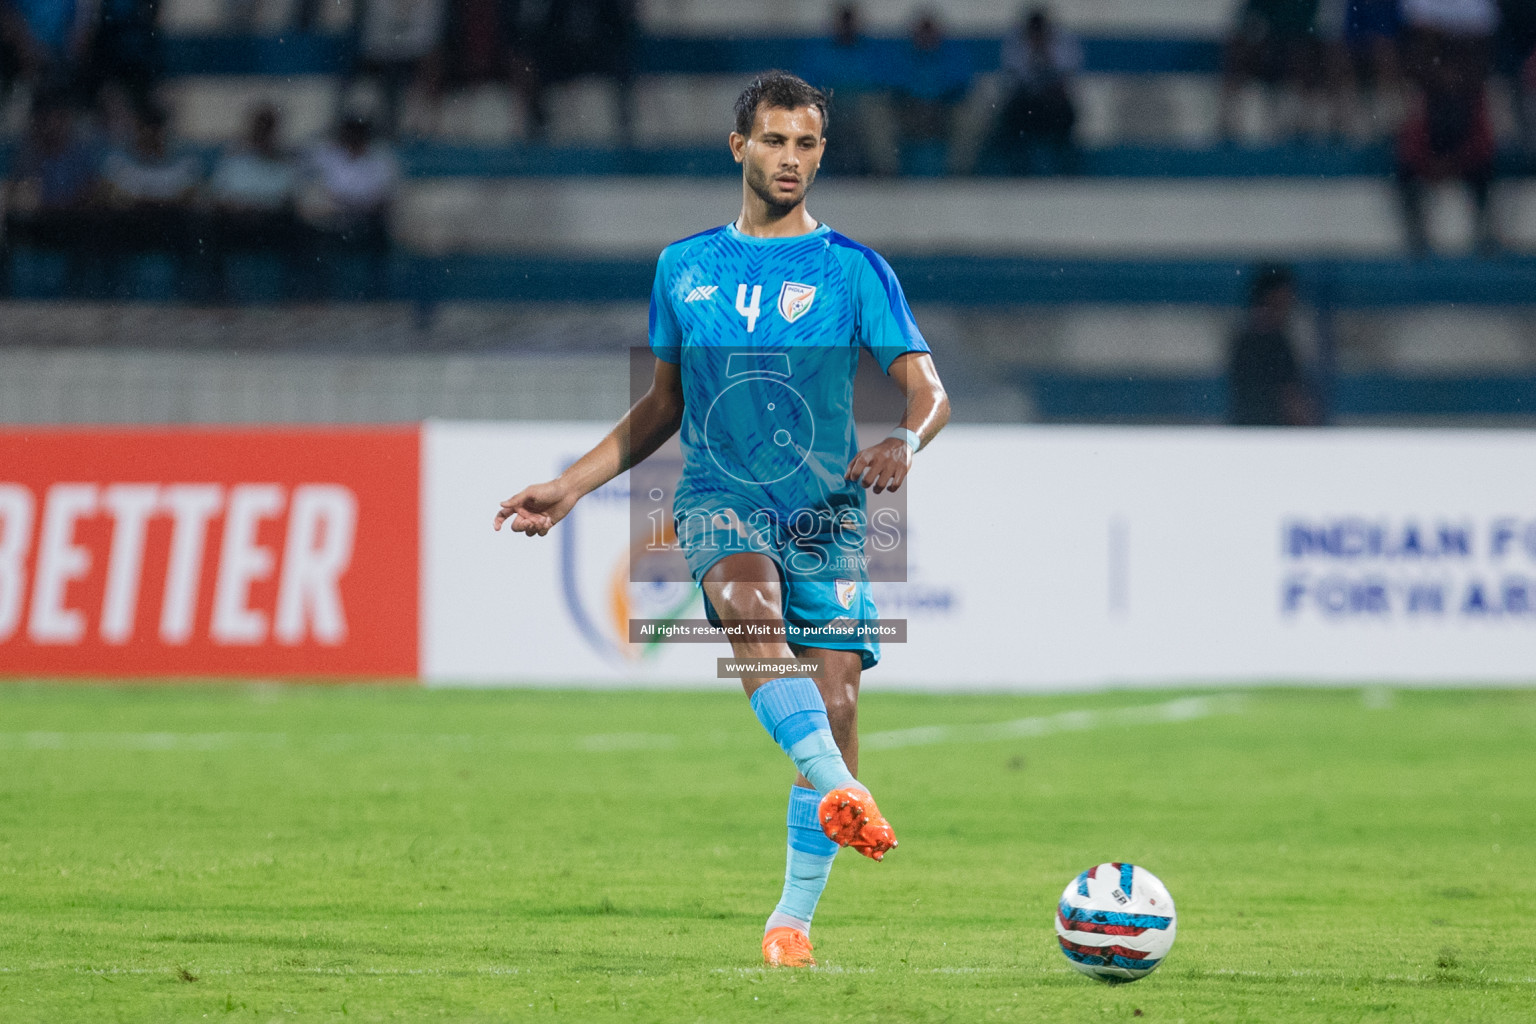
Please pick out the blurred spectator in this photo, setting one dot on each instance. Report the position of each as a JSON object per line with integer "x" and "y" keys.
{"x": 147, "y": 195}
{"x": 1527, "y": 94}
{"x": 491, "y": 42}
{"x": 533, "y": 45}
{"x": 1034, "y": 127}
{"x": 1471, "y": 18}
{"x": 356, "y": 177}
{"x": 1454, "y": 36}
{"x": 149, "y": 175}
{"x": 395, "y": 39}
{"x": 353, "y": 181}
{"x": 253, "y": 196}
{"x": 52, "y": 185}
{"x": 1275, "y": 43}
{"x": 583, "y": 38}
{"x": 932, "y": 84}
{"x": 124, "y": 53}
{"x": 56, "y": 171}
{"x": 45, "y": 43}
{"x": 1448, "y": 137}
{"x": 1366, "y": 65}
{"x": 861, "y": 133}
{"x": 1265, "y": 383}
{"x": 256, "y": 176}
{"x": 1515, "y": 61}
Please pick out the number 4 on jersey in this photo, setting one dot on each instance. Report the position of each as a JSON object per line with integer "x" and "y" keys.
{"x": 750, "y": 312}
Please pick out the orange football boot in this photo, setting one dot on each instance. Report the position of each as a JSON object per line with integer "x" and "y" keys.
{"x": 787, "y": 947}
{"x": 849, "y": 817}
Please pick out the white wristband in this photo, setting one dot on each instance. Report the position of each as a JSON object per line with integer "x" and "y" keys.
{"x": 909, "y": 436}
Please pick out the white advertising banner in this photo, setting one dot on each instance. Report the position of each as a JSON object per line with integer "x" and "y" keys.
{"x": 507, "y": 608}
{"x": 1049, "y": 558}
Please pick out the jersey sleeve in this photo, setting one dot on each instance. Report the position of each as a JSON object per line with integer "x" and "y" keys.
{"x": 666, "y": 333}
{"x": 882, "y": 320}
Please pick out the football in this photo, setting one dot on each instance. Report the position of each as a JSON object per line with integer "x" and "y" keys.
{"x": 1116, "y": 922}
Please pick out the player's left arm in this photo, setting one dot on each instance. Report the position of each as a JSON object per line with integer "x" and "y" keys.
{"x": 884, "y": 466}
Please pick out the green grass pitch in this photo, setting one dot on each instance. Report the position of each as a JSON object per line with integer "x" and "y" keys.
{"x": 365, "y": 854}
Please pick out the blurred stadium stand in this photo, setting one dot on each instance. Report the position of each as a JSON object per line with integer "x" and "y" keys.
{"x": 520, "y": 269}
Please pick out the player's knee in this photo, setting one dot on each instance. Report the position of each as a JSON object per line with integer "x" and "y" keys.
{"x": 840, "y": 715}
{"x": 842, "y": 700}
{"x": 743, "y": 600}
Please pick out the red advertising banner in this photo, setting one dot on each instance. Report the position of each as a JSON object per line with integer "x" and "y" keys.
{"x": 209, "y": 552}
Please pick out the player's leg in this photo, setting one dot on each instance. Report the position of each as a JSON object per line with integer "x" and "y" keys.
{"x": 746, "y": 588}
{"x": 839, "y": 685}
{"x": 849, "y": 815}
{"x": 833, "y": 605}
{"x": 808, "y": 862}
{"x": 807, "y": 866}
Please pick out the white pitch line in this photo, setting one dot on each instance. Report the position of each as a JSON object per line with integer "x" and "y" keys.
{"x": 598, "y": 743}
{"x": 1181, "y": 710}
{"x": 163, "y": 742}
{"x": 1414, "y": 979}
{"x": 154, "y": 741}
{"x": 613, "y": 742}
{"x": 226, "y": 971}
{"x": 1184, "y": 709}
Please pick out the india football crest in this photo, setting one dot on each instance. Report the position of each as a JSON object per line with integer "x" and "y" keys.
{"x": 795, "y": 300}
{"x": 846, "y": 591}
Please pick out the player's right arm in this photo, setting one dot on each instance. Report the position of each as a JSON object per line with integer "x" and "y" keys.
{"x": 645, "y": 428}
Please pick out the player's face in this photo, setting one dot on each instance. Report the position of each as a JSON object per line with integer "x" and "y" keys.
{"x": 779, "y": 159}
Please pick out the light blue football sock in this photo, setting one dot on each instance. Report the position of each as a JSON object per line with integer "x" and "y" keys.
{"x": 796, "y": 717}
{"x": 808, "y": 865}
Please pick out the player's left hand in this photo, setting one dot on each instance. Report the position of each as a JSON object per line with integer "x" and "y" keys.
{"x": 881, "y": 466}
{"x": 534, "y": 510}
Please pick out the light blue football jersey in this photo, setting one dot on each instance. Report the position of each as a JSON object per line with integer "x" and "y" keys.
{"x": 768, "y": 332}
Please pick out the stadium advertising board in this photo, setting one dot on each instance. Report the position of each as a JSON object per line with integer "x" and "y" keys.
{"x": 1086, "y": 556}
{"x": 1036, "y": 558}
{"x": 503, "y": 607}
{"x": 220, "y": 552}
{"x": 553, "y": 610}
{"x": 1050, "y": 558}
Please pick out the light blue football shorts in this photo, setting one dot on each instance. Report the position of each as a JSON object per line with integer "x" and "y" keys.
{"x": 824, "y": 581}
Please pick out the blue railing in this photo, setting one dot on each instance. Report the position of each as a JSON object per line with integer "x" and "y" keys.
{"x": 455, "y": 160}
{"x": 1329, "y": 286}
{"x": 314, "y": 54}
{"x": 1016, "y": 281}
{"x": 447, "y": 160}
{"x": 980, "y": 281}
{"x": 1064, "y": 397}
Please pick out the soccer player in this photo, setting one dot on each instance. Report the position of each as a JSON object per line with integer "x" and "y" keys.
{"x": 757, "y": 327}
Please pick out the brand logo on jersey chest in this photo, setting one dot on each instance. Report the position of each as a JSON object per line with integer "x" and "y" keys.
{"x": 795, "y": 300}
{"x": 702, "y": 293}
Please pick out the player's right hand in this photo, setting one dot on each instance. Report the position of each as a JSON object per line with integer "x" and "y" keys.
{"x": 533, "y": 510}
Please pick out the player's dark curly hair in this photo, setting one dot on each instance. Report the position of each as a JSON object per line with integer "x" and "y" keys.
{"x": 781, "y": 90}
